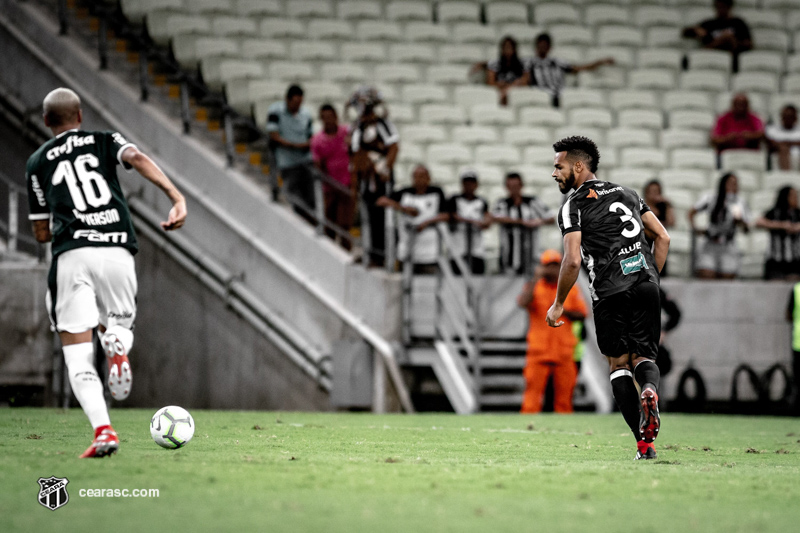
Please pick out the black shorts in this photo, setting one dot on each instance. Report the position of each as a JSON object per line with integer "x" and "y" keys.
{"x": 629, "y": 322}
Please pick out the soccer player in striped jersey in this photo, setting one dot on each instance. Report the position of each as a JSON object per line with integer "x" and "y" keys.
{"x": 606, "y": 226}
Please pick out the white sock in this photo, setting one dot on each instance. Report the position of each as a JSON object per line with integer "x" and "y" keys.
{"x": 85, "y": 383}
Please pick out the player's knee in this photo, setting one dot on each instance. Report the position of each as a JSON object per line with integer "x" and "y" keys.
{"x": 123, "y": 335}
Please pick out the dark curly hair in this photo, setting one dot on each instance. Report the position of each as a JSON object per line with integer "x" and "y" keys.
{"x": 580, "y": 149}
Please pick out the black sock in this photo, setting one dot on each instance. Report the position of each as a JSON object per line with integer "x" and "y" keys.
{"x": 627, "y": 399}
{"x": 647, "y": 375}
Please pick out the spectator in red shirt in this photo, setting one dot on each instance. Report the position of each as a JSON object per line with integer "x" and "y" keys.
{"x": 738, "y": 128}
{"x": 329, "y": 149}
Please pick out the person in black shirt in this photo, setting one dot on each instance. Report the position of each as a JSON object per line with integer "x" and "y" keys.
{"x": 783, "y": 223}
{"x": 469, "y": 216}
{"x": 723, "y": 32}
{"x": 607, "y": 226}
{"x": 660, "y": 206}
{"x": 507, "y": 70}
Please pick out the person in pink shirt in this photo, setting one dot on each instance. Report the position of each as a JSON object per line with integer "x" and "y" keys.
{"x": 329, "y": 149}
{"x": 738, "y": 128}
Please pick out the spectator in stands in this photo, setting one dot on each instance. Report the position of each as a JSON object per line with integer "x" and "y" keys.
{"x": 374, "y": 148}
{"x": 784, "y": 138}
{"x": 718, "y": 256}
{"x": 547, "y": 73}
{"x": 289, "y": 128}
{"x": 469, "y": 217}
{"x": 723, "y": 32}
{"x": 550, "y": 350}
{"x": 783, "y": 223}
{"x": 661, "y": 208}
{"x": 519, "y": 217}
{"x": 422, "y": 206}
{"x": 673, "y": 318}
{"x": 507, "y": 70}
{"x": 738, "y": 128}
{"x": 330, "y": 151}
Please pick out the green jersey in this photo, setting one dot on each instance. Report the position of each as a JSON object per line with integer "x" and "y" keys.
{"x": 73, "y": 178}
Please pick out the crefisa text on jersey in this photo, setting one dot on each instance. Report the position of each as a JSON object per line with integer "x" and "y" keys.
{"x": 630, "y": 249}
{"x": 66, "y": 148}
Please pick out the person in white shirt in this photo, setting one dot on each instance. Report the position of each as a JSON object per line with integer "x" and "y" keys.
{"x": 784, "y": 138}
{"x": 469, "y": 217}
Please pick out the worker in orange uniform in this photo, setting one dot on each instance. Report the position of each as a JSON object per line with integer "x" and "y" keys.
{"x": 550, "y": 350}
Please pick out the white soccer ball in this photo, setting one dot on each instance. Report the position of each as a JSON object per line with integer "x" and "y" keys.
{"x": 172, "y": 427}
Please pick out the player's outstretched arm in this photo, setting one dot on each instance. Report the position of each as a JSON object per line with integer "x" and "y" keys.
{"x": 655, "y": 231}
{"x": 570, "y": 268}
{"x": 150, "y": 171}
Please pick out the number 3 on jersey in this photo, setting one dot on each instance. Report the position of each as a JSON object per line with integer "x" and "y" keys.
{"x": 93, "y": 185}
{"x": 627, "y": 216}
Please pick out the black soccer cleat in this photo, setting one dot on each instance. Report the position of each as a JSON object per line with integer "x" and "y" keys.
{"x": 646, "y": 450}
{"x": 649, "y": 421}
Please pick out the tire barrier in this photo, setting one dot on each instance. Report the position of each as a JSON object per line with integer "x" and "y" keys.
{"x": 752, "y": 377}
{"x": 684, "y": 402}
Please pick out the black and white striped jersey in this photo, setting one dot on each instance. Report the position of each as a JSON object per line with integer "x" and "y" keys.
{"x": 613, "y": 245}
{"x": 547, "y": 73}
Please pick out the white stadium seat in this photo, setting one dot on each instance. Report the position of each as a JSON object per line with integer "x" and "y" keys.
{"x": 474, "y": 135}
{"x": 635, "y": 157}
{"x": 325, "y": 92}
{"x": 291, "y": 71}
{"x": 409, "y": 10}
{"x": 358, "y": 9}
{"x": 572, "y": 97}
{"x": 523, "y": 33}
{"x": 343, "y": 72}
{"x": 603, "y": 78}
{"x": 600, "y": 14}
{"x": 683, "y": 138}
{"x": 423, "y": 134}
{"x": 620, "y": 36}
{"x": 447, "y": 74}
{"x": 234, "y": 26}
{"x": 592, "y": 117}
{"x": 647, "y": 16}
{"x": 163, "y": 25}
{"x": 528, "y": 96}
{"x": 217, "y": 71}
{"x": 490, "y": 175}
{"x": 462, "y": 53}
{"x": 397, "y": 73}
{"x": 762, "y": 18}
{"x": 704, "y": 80}
{"x": 470, "y": 95}
{"x": 374, "y": 30}
{"x": 539, "y": 155}
{"x": 622, "y": 55}
{"x": 402, "y": 114}
{"x": 793, "y": 63}
{"x": 329, "y": 29}
{"x": 569, "y": 130}
{"x": 497, "y": 154}
{"x": 760, "y": 82}
{"x": 641, "y": 118}
{"x": 659, "y": 58}
{"x": 241, "y": 93}
{"x": 567, "y": 34}
{"x": 694, "y": 158}
{"x": 632, "y": 99}
{"x": 776, "y": 179}
{"x": 664, "y": 36}
{"x": 554, "y": 13}
{"x": 743, "y": 159}
{"x": 683, "y": 178}
{"x": 211, "y": 7}
{"x": 278, "y": 28}
{"x": 631, "y": 176}
{"x": 652, "y": 79}
{"x": 780, "y": 4}
{"x": 442, "y": 114}
{"x": 674, "y": 100}
{"x": 761, "y": 60}
{"x": 705, "y": 59}
{"x": 411, "y": 153}
{"x": 527, "y": 135}
{"x": 264, "y": 49}
{"x": 623, "y": 137}
{"x": 313, "y": 51}
{"x": 188, "y": 49}
{"x": 771, "y": 39}
{"x": 427, "y": 32}
{"x": 458, "y": 11}
{"x": 497, "y": 12}
{"x": 492, "y": 114}
{"x": 449, "y": 153}
{"x": 472, "y": 32}
{"x": 372, "y": 52}
{"x": 541, "y": 116}
{"x": 412, "y": 53}
{"x": 259, "y": 8}
{"x": 691, "y": 119}
{"x": 424, "y": 94}
{"x": 309, "y": 8}
{"x": 791, "y": 83}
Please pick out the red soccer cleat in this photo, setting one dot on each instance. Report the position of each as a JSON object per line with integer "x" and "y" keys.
{"x": 105, "y": 443}
{"x": 650, "y": 421}
{"x": 645, "y": 451}
{"x": 120, "y": 377}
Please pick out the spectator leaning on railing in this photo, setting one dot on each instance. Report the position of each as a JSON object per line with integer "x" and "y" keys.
{"x": 469, "y": 217}
{"x": 783, "y": 223}
{"x": 738, "y": 128}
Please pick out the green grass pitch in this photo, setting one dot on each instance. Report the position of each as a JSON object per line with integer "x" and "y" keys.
{"x": 267, "y": 471}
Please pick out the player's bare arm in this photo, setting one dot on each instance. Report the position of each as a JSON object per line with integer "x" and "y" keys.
{"x": 151, "y": 172}
{"x": 658, "y": 233}
{"x": 41, "y": 230}
{"x": 570, "y": 268}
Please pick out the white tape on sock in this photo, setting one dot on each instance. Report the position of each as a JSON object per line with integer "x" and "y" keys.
{"x": 620, "y": 373}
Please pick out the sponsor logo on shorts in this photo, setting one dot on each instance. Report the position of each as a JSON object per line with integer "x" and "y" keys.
{"x": 73, "y": 141}
{"x": 124, "y": 314}
{"x": 633, "y": 264}
{"x": 96, "y": 236}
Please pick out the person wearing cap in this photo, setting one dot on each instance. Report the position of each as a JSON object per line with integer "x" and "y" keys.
{"x": 550, "y": 350}
{"x": 469, "y": 217}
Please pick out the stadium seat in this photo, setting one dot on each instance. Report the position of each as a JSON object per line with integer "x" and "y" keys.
{"x": 641, "y": 118}
{"x": 492, "y": 114}
{"x": 541, "y": 116}
{"x": 780, "y": 4}
{"x": 704, "y": 80}
{"x": 135, "y": 10}
{"x": 771, "y": 39}
{"x": 442, "y": 114}
{"x": 411, "y": 153}
{"x": 226, "y": 26}
{"x": 695, "y": 14}
{"x": 343, "y": 72}
{"x": 163, "y": 25}
{"x": 402, "y": 114}
{"x": 210, "y": 7}
{"x": 401, "y": 11}
{"x": 313, "y": 51}
{"x": 371, "y": 52}
{"x": 648, "y": 16}
{"x": 620, "y": 36}
{"x": 458, "y": 11}
{"x": 188, "y": 49}
{"x": 603, "y": 78}
{"x": 705, "y": 59}
{"x": 291, "y": 71}
{"x": 423, "y": 94}
{"x": 572, "y": 97}
{"x": 449, "y": 153}
{"x": 329, "y": 29}
{"x": 278, "y": 28}
{"x": 472, "y": 32}
{"x": 632, "y": 99}
{"x": 525, "y": 96}
{"x": 497, "y": 154}
{"x": 465, "y": 54}
{"x": 695, "y": 158}
{"x": 630, "y": 176}
{"x": 743, "y": 159}
{"x": 259, "y": 8}
{"x": 762, "y": 18}
{"x": 474, "y": 135}
{"x": 447, "y": 74}
{"x": 659, "y": 58}
{"x": 217, "y": 71}
{"x": 554, "y": 13}
{"x": 566, "y": 35}
{"x": 538, "y": 175}
{"x": 358, "y": 9}
{"x": 470, "y": 95}
{"x": 626, "y": 137}
{"x": 396, "y": 73}
{"x": 791, "y": 83}
{"x": 793, "y": 23}
{"x": 758, "y": 103}
{"x": 428, "y": 32}
{"x": 325, "y": 92}
{"x": 499, "y": 12}
{"x": 590, "y": 116}
{"x": 572, "y": 54}
{"x": 778, "y": 101}
{"x": 664, "y": 37}
{"x": 683, "y": 138}
{"x": 309, "y": 8}
{"x": 776, "y": 179}
{"x": 423, "y": 134}
{"x": 691, "y": 119}
{"x": 761, "y": 61}
{"x": 684, "y": 178}
{"x": 749, "y": 180}
{"x": 241, "y": 93}
{"x": 263, "y": 49}
{"x": 636, "y": 157}
{"x": 569, "y": 130}
{"x": 652, "y": 79}
{"x": 374, "y": 30}
{"x": 793, "y": 63}
{"x": 527, "y": 135}
{"x": 488, "y": 175}
{"x": 674, "y": 100}
{"x": 412, "y": 53}
{"x": 622, "y": 55}
{"x": 758, "y": 82}
{"x": 539, "y": 155}
{"x": 600, "y": 14}
{"x": 523, "y": 33}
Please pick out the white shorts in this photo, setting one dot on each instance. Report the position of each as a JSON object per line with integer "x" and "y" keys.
{"x": 92, "y": 285}
{"x": 719, "y": 257}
